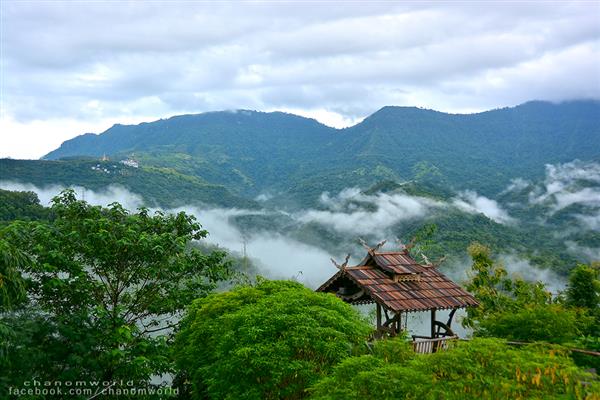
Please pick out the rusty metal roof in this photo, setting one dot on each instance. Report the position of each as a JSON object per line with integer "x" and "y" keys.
{"x": 430, "y": 289}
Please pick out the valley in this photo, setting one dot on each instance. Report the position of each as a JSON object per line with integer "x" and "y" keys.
{"x": 513, "y": 179}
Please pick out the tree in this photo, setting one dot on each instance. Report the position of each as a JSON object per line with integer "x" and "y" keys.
{"x": 108, "y": 286}
{"x": 12, "y": 295}
{"x": 584, "y": 288}
{"x": 12, "y": 286}
{"x": 516, "y": 309}
{"x": 20, "y": 205}
{"x": 535, "y": 322}
{"x": 487, "y": 283}
{"x": 478, "y": 369}
{"x": 268, "y": 341}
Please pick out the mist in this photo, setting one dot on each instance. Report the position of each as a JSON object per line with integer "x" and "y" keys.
{"x": 473, "y": 203}
{"x": 356, "y": 213}
{"x": 584, "y": 252}
{"x": 278, "y": 256}
{"x": 568, "y": 184}
{"x": 102, "y": 197}
{"x": 351, "y": 212}
{"x": 518, "y": 267}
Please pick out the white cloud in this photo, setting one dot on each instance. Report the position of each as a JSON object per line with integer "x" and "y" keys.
{"x": 61, "y": 65}
{"x": 574, "y": 183}
{"x": 473, "y": 203}
{"x": 356, "y": 213}
{"x": 516, "y": 185}
{"x": 36, "y": 137}
{"x": 282, "y": 257}
{"x": 264, "y": 197}
{"x": 520, "y": 268}
{"x": 589, "y": 254}
{"x": 279, "y": 257}
{"x": 103, "y": 197}
{"x": 560, "y": 184}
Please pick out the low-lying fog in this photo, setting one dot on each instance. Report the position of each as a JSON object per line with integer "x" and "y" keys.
{"x": 353, "y": 214}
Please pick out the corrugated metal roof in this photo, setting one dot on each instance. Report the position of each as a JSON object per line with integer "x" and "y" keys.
{"x": 430, "y": 289}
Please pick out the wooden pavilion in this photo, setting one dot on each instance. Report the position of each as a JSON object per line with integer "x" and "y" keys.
{"x": 398, "y": 285}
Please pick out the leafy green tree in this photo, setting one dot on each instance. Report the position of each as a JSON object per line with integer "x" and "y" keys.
{"x": 517, "y": 309}
{"x": 268, "y": 341}
{"x": 422, "y": 239}
{"x": 20, "y": 205}
{"x": 106, "y": 287}
{"x": 478, "y": 369}
{"x": 537, "y": 322}
{"x": 12, "y": 295}
{"x": 584, "y": 287}
{"x": 488, "y": 283}
{"x": 12, "y": 285}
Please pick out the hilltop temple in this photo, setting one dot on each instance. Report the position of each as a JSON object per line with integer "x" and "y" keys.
{"x": 398, "y": 285}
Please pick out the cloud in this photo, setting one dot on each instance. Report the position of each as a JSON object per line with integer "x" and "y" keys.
{"x": 281, "y": 257}
{"x": 103, "y": 197}
{"x": 473, "y": 203}
{"x": 516, "y": 185}
{"x": 521, "y": 268}
{"x": 588, "y": 254}
{"x": 356, "y": 213}
{"x": 573, "y": 183}
{"x": 560, "y": 184}
{"x": 337, "y": 64}
{"x": 278, "y": 256}
{"x": 264, "y": 197}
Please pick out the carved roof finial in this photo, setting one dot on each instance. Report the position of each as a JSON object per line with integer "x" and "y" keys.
{"x": 370, "y": 249}
{"x": 365, "y": 245}
{"x": 344, "y": 264}
{"x": 439, "y": 262}
{"x": 405, "y": 248}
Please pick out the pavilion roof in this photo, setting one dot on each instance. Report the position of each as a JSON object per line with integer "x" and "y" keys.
{"x": 399, "y": 283}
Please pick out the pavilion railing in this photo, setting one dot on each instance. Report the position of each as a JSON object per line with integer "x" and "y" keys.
{"x": 424, "y": 344}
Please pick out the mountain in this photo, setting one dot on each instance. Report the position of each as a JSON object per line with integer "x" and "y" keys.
{"x": 228, "y": 158}
{"x": 252, "y": 152}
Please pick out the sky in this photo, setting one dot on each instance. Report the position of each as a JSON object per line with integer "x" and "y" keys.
{"x": 71, "y": 67}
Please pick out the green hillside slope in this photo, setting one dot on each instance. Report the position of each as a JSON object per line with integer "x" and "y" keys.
{"x": 159, "y": 186}
{"x": 252, "y": 152}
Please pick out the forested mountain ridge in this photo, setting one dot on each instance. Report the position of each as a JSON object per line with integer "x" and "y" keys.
{"x": 250, "y": 151}
{"x": 225, "y": 159}
{"x": 163, "y": 187}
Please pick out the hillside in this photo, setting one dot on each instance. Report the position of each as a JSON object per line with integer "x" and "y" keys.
{"x": 423, "y": 156}
{"x": 162, "y": 187}
{"x": 250, "y": 152}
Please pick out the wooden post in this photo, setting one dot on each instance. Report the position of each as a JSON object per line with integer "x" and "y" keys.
{"x": 449, "y": 323}
{"x": 432, "y": 323}
{"x": 378, "y": 316}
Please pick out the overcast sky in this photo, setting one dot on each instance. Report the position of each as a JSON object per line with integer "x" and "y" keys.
{"x": 80, "y": 66}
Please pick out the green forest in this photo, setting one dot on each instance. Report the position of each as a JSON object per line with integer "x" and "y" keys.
{"x": 140, "y": 303}
{"x": 282, "y": 164}
{"x": 299, "y": 200}
{"x": 102, "y": 294}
